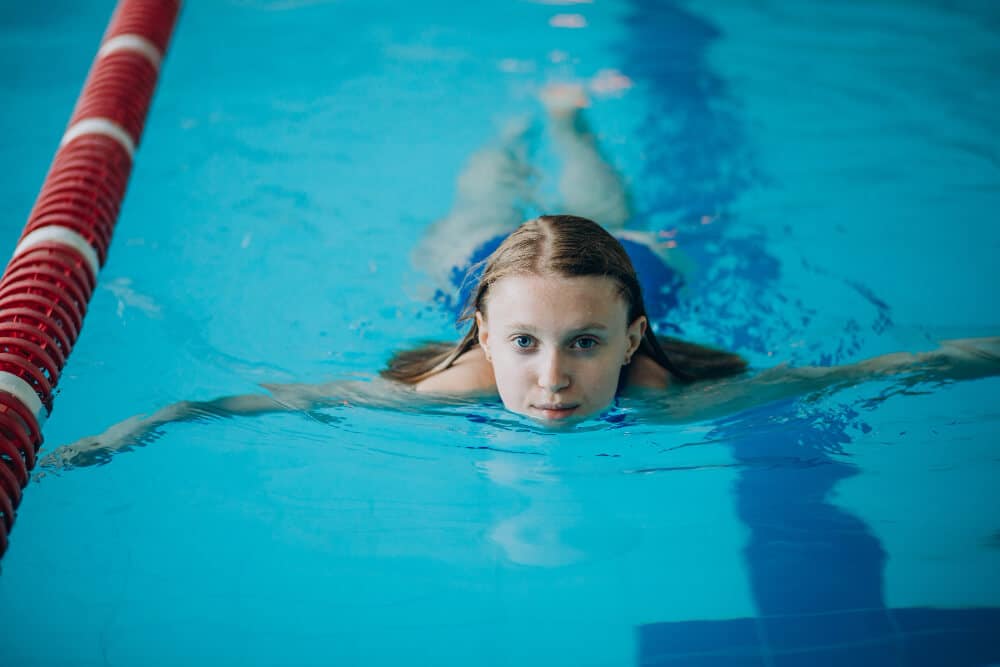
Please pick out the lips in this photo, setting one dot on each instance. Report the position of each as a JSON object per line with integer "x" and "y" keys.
{"x": 556, "y": 410}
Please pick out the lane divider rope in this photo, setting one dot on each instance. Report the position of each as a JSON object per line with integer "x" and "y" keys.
{"x": 136, "y": 43}
{"x": 108, "y": 128}
{"x": 47, "y": 285}
{"x": 66, "y": 237}
{"x": 24, "y": 392}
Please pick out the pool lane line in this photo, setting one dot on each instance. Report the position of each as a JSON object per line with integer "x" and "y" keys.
{"x": 48, "y": 283}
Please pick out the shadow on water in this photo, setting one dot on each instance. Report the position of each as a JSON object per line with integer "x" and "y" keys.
{"x": 816, "y": 570}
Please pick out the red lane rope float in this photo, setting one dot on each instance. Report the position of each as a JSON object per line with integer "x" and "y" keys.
{"x": 18, "y": 289}
{"x": 56, "y": 256}
{"x": 45, "y": 307}
{"x": 27, "y": 423}
{"x": 42, "y": 323}
{"x": 57, "y": 278}
{"x": 46, "y": 287}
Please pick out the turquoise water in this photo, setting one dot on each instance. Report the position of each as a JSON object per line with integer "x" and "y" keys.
{"x": 844, "y": 161}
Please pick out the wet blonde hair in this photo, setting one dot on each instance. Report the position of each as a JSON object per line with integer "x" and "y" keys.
{"x": 568, "y": 246}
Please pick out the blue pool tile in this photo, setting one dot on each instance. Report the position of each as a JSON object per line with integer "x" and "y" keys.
{"x": 699, "y": 636}
{"x": 734, "y": 643}
{"x": 880, "y": 655}
{"x": 916, "y": 637}
{"x": 841, "y": 628}
{"x": 958, "y": 637}
{"x": 708, "y": 661}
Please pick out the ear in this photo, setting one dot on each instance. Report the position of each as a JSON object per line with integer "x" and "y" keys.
{"x": 635, "y": 332}
{"x": 484, "y": 334}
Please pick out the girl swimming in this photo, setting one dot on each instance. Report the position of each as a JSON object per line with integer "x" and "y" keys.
{"x": 559, "y": 326}
{"x": 559, "y": 331}
{"x": 559, "y": 323}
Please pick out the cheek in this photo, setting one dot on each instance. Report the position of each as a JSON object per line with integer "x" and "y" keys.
{"x": 509, "y": 373}
{"x": 603, "y": 379}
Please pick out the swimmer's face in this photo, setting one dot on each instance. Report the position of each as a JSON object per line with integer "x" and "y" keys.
{"x": 557, "y": 345}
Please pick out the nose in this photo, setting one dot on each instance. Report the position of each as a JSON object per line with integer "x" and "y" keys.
{"x": 553, "y": 374}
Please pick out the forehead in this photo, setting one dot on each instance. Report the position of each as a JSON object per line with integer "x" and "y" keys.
{"x": 556, "y": 302}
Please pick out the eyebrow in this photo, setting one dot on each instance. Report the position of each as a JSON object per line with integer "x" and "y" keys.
{"x": 590, "y": 326}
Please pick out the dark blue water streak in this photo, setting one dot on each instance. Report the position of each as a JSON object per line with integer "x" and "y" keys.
{"x": 816, "y": 571}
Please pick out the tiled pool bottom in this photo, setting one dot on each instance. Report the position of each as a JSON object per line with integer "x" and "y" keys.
{"x": 915, "y": 637}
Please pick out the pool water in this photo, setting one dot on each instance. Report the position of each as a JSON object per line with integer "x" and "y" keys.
{"x": 830, "y": 172}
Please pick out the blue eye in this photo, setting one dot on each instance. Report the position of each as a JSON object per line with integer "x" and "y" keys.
{"x": 585, "y": 343}
{"x": 523, "y": 342}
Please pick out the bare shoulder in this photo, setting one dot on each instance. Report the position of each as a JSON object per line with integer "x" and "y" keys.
{"x": 645, "y": 373}
{"x": 470, "y": 374}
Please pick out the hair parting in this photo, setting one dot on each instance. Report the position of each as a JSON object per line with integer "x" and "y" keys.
{"x": 570, "y": 246}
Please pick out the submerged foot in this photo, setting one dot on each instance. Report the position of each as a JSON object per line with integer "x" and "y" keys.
{"x": 563, "y": 100}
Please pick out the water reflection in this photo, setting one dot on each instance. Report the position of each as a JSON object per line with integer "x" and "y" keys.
{"x": 533, "y": 536}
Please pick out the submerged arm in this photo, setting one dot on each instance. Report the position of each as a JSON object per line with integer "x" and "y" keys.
{"x": 141, "y": 430}
{"x": 954, "y": 360}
